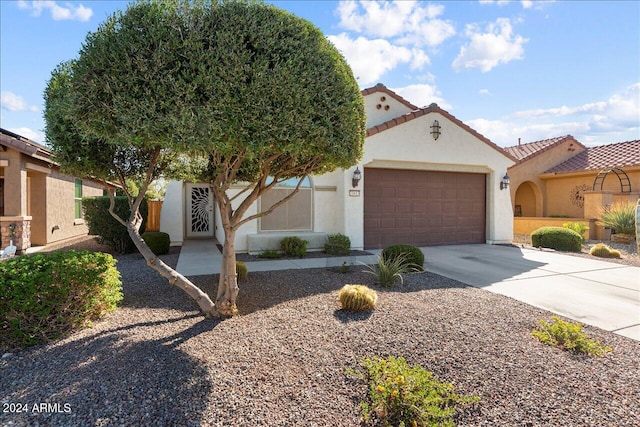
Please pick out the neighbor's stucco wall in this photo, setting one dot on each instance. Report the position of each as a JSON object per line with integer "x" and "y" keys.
{"x": 410, "y": 146}
{"x": 561, "y": 190}
{"x": 60, "y": 206}
{"x": 530, "y": 170}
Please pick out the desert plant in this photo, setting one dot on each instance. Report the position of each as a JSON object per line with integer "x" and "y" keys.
{"x": 403, "y": 395}
{"x": 388, "y": 272}
{"x": 47, "y": 295}
{"x": 621, "y": 217}
{"x": 567, "y": 336}
{"x": 241, "y": 270}
{"x": 337, "y": 244}
{"x": 413, "y": 256}
{"x": 109, "y": 231}
{"x": 558, "y": 238}
{"x": 157, "y": 241}
{"x": 578, "y": 227}
{"x": 294, "y": 246}
{"x": 603, "y": 251}
{"x": 357, "y": 298}
{"x": 269, "y": 254}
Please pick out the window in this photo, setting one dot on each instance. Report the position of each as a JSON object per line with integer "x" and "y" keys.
{"x": 77, "y": 200}
{"x": 295, "y": 214}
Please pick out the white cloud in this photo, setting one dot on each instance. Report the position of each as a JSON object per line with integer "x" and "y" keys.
{"x": 497, "y": 45}
{"x": 409, "y": 22}
{"x": 614, "y": 120}
{"x": 484, "y": 92}
{"x": 370, "y": 59}
{"x": 29, "y": 134}
{"x": 58, "y": 12}
{"x": 12, "y": 102}
{"x": 422, "y": 95}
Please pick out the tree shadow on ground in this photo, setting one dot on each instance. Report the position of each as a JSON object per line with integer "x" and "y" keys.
{"x": 127, "y": 380}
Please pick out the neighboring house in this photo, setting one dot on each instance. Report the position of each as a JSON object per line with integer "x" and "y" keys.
{"x": 560, "y": 177}
{"x": 38, "y": 204}
{"x": 426, "y": 179}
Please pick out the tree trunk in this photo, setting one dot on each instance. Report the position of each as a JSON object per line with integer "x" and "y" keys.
{"x": 175, "y": 278}
{"x": 228, "y": 283}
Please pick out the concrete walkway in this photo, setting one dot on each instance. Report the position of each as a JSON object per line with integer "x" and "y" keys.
{"x": 591, "y": 291}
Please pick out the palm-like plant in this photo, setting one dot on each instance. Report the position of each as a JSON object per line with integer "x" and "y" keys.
{"x": 389, "y": 271}
{"x": 621, "y": 217}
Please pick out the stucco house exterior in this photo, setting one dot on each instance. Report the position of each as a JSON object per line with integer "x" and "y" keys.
{"x": 426, "y": 179}
{"x": 38, "y": 204}
{"x": 561, "y": 177}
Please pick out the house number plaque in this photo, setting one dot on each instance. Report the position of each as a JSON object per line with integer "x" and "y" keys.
{"x": 354, "y": 193}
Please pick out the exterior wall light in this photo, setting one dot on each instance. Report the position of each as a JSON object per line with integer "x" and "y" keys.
{"x": 435, "y": 129}
{"x": 504, "y": 183}
{"x": 357, "y": 176}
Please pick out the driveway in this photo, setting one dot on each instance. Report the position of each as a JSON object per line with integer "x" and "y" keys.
{"x": 590, "y": 291}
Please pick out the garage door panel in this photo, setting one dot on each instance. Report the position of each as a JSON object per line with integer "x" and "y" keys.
{"x": 423, "y": 208}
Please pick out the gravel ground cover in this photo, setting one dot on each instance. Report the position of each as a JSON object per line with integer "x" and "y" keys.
{"x": 282, "y": 362}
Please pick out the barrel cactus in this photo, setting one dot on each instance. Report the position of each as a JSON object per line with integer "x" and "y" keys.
{"x": 241, "y": 270}
{"x": 603, "y": 251}
{"x": 357, "y": 298}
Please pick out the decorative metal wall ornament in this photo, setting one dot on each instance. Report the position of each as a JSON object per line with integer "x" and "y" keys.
{"x": 435, "y": 130}
{"x": 199, "y": 209}
{"x": 577, "y": 195}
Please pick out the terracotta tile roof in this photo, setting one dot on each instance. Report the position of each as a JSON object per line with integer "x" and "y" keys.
{"x": 526, "y": 151}
{"x": 618, "y": 155}
{"x": 433, "y": 108}
{"x": 382, "y": 88}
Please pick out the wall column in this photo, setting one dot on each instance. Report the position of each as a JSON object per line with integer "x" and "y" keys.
{"x": 594, "y": 202}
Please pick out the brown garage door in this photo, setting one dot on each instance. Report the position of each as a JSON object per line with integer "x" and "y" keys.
{"x": 423, "y": 208}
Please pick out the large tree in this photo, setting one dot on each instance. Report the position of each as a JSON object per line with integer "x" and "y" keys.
{"x": 235, "y": 92}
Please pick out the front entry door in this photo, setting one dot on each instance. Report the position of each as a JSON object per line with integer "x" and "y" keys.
{"x": 200, "y": 211}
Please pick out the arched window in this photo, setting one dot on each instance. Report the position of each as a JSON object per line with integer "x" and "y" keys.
{"x": 294, "y": 215}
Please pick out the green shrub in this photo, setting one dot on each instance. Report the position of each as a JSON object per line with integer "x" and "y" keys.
{"x": 109, "y": 231}
{"x": 157, "y": 241}
{"x": 241, "y": 270}
{"x": 578, "y": 227}
{"x": 414, "y": 258}
{"x": 269, "y": 254}
{"x": 337, "y": 244}
{"x": 621, "y": 217}
{"x": 403, "y": 395}
{"x": 603, "y": 251}
{"x": 559, "y": 238}
{"x": 294, "y": 246}
{"x": 47, "y": 295}
{"x": 568, "y": 336}
{"x": 388, "y": 272}
{"x": 357, "y": 298}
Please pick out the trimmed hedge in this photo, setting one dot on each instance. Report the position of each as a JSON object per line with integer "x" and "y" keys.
{"x": 558, "y": 238}
{"x": 157, "y": 241}
{"x": 413, "y": 255}
{"x": 47, "y": 295}
{"x": 109, "y": 231}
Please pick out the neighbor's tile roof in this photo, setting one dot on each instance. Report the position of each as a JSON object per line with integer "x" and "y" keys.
{"x": 524, "y": 152}
{"x": 618, "y": 155}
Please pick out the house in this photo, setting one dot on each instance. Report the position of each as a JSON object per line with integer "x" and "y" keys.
{"x": 426, "y": 179}
{"x": 38, "y": 204}
{"x": 562, "y": 178}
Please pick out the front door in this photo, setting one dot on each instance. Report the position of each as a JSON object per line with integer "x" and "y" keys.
{"x": 200, "y": 211}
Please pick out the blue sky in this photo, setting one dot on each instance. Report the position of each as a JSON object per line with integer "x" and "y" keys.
{"x": 509, "y": 69}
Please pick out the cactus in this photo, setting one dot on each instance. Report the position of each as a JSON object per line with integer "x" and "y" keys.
{"x": 357, "y": 298}
{"x": 613, "y": 253}
{"x": 600, "y": 250}
{"x": 241, "y": 270}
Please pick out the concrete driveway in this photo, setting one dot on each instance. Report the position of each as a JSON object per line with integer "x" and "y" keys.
{"x": 590, "y": 291}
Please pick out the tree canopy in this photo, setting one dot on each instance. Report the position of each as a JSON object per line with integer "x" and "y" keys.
{"x": 224, "y": 92}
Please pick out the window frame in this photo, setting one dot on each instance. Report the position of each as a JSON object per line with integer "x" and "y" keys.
{"x": 291, "y": 185}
